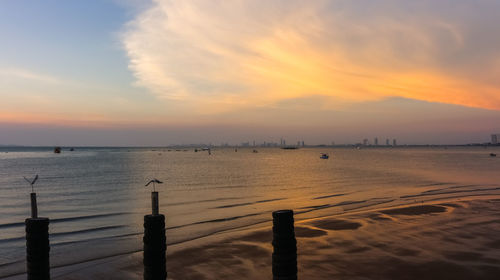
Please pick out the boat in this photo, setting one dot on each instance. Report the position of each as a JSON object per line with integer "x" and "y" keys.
{"x": 324, "y": 156}
{"x": 289, "y": 148}
{"x": 57, "y": 150}
{"x": 255, "y": 151}
{"x": 493, "y": 155}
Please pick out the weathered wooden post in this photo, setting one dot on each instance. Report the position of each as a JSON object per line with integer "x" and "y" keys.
{"x": 34, "y": 207}
{"x": 37, "y": 242}
{"x": 284, "y": 245}
{"x": 155, "y": 207}
{"x": 155, "y": 242}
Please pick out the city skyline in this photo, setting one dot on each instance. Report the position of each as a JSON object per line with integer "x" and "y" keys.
{"x": 81, "y": 74}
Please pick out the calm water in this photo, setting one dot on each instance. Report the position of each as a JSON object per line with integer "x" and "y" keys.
{"x": 96, "y": 198}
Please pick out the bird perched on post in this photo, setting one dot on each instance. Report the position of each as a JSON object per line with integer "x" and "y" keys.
{"x": 154, "y": 181}
{"x": 31, "y": 182}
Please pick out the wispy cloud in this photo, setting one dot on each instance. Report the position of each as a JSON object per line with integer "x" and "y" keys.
{"x": 241, "y": 53}
{"x": 25, "y": 74}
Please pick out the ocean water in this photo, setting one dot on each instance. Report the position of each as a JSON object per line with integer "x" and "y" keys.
{"x": 96, "y": 198}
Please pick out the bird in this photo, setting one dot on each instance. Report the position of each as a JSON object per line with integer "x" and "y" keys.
{"x": 154, "y": 181}
{"x": 32, "y": 182}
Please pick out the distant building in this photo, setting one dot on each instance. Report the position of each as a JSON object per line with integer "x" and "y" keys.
{"x": 394, "y": 142}
{"x": 494, "y": 138}
{"x": 303, "y": 145}
{"x": 387, "y": 142}
{"x": 365, "y": 142}
{"x": 375, "y": 141}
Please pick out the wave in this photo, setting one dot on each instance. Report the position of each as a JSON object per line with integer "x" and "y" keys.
{"x": 328, "y": 196}
{"x": 216, "y": 220}
{"x": 66, "y": 233}
{"x": 366, "y": 203}
{"x": 95, "y": 239}
{"x": 68, "y": 219}
{"x": 247, "y": 203}
{"x": 11, "y": 225}
{"x": 438, "y": 192}
{"x": 202, "y": 201}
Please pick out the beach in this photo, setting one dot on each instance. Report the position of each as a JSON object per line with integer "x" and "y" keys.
{"x": 456, "y": 239}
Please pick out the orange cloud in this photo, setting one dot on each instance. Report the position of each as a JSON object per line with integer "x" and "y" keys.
{"x": 242, "y": 53}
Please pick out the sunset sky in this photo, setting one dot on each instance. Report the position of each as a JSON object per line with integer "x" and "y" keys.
{"x": 133, "y": 72}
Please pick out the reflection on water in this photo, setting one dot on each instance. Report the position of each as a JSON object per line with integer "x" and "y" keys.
{"x": 96, "y": 197}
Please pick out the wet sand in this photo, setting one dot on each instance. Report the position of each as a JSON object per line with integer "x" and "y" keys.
{"x": 446, "y": 240}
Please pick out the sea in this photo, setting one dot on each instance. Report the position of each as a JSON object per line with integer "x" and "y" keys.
{"x": 96, "y": 198}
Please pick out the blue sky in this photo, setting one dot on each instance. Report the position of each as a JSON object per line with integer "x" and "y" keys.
{"x": 75, "y": 39}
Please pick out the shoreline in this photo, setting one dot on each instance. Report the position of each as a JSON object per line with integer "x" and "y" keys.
{"x": 421, "y": 239}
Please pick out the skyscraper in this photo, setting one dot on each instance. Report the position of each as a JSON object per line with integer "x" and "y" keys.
{"x": 394, "y": 142}
{"x": 387, "y": 142}
{"x": 494, "y": 139}
{"x": 375, "y": 141}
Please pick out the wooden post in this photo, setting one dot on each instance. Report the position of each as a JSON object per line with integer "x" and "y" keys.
{"x": 155, "y": 243}
{"x": 284, "y": 246}
{"x": 154, "y": 203}
{"x": 155, "y": 247}
{"x": 34, "y": 208}
{"x": 37, "y": 248}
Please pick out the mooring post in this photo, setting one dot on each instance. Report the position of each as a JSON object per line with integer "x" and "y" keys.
{"x": 37, "y": 244}
{"x": 155, "y": 209}
{"x": 284, "y": 246}
{"x": 34, "y": 208}
{"x": 155, "y": 243}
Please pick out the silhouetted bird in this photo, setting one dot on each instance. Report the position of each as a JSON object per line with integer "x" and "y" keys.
{"x": 32, "y": 182}
{"x": 156, "y": 181}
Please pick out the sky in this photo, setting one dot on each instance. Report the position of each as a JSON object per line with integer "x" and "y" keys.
{"x": 154, "y": 72}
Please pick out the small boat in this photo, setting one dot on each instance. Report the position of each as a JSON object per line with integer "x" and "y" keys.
{"x": 493, "y": 155}
{"x": 324, "y": 156}
{"x": 255, "y": 151}
{"x": 72, "y": 150}
{"x": 57, "y": 150}
{"x": 289, "y": 148}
